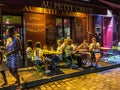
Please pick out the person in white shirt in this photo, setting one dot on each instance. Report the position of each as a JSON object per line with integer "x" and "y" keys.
{"x": 59, "y": 43}
{"x": 29, "y": 52}
{"x": 37, "y": 53}
{"x": 95, "y": 51}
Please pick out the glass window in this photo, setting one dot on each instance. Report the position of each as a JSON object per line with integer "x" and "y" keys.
{"x": 67, "y": 28}
{"x": 63, "y": 28}
{"x": 59, "y": 27}
{"x": 12, "y": 21}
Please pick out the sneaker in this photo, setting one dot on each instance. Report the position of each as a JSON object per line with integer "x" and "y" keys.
{"x": 74, "y": 66}
{"x": 19, "y": 87}
{"x": 47, "y": 71}
{"x": 80, "y": 68}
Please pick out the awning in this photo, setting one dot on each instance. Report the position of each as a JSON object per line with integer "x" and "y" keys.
{"x": 63, "y": 5}
{"x": 113, "y": 5}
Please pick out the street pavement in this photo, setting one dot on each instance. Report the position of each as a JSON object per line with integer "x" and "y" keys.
{"x": 30, "y": 77}
{"x": 106, "y": 80}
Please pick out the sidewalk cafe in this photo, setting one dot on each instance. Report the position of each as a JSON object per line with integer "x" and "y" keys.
{"x": 60, "y": 37}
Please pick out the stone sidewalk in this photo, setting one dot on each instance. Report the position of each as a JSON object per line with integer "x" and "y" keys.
{"x": 31, "y": 77}
{"x": 106, "y": 80}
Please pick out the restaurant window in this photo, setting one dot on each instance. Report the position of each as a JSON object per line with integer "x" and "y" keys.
{"x": 63, "y": 28}
{"x": 12, "y": 21}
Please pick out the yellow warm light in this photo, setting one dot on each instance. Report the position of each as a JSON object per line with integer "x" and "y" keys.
{"x": 81, "y": 14}
{"x": 54, "y": 11}
{"x": 39, "y": 9}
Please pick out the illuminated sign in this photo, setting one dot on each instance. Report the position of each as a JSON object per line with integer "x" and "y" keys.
{"x": 51, "y": 11}
{"x": 34, "y": 22}
{"x": 63, "y": 7}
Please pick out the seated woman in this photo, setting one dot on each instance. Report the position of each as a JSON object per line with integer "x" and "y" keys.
{"x": 84, "y": 51}
{"x": 37, "y": 56}
{"x": 95, "y": 51}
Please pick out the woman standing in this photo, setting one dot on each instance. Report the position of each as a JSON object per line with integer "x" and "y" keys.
{"x": 13, "y": 48}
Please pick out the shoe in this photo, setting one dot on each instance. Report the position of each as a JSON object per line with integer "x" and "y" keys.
{"x": 74, "y": 66}
{"x": 80, "y": 68}
{"x": 47, "y": 71}
{"x": 19, "y": 87}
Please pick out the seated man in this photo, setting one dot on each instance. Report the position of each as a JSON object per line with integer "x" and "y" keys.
{"x": 69, "y": 54}
{"x": 57, "y": 56}
{"x": 84, "y": 51}
{"x": 51, "y": 58}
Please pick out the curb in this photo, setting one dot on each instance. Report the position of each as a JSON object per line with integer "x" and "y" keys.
{"x": 44, "y": 81}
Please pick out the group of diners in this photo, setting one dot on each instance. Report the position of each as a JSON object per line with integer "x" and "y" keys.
{"x": 66, "y": 51}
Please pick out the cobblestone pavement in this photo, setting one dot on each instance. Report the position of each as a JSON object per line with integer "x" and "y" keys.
{"x": 106, "y": 80}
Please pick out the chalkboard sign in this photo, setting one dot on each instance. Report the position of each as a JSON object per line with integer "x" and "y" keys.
{"x": 35, "y": 27}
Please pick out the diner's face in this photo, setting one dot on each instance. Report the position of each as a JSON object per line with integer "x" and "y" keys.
{"x": 84, "y": 41}
{"x": 94, "y": 40}
{"x": 68, "y": 42}
{"x": 59, "y": 43}
{"x": 7, "y": 32}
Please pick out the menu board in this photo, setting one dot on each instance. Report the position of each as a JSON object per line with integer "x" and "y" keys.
{"x": 35, "y": 27}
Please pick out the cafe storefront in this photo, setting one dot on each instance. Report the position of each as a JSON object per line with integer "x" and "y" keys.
{"x": 47, "y": 21}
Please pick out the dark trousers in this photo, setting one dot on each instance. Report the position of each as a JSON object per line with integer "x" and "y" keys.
{"x": 78, "y": 58}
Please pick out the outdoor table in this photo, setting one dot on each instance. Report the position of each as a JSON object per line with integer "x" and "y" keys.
{"x": 48, "y": 52}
